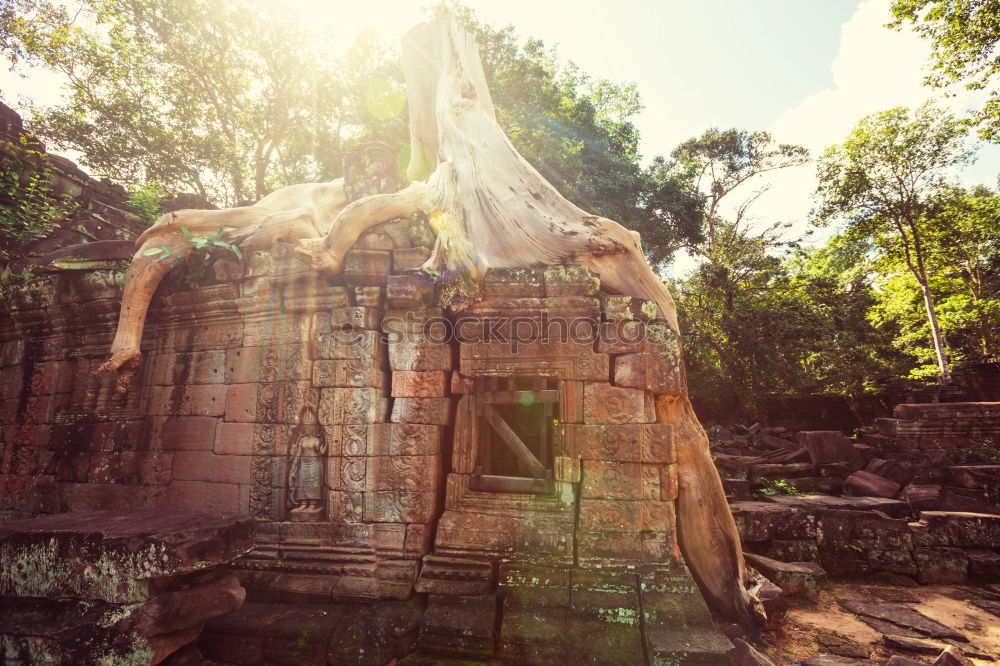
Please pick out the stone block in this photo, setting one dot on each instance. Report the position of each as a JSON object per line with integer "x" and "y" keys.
{"x": 627, "y": 308}
{"x": 346, "y": 507}
{"x": 864, "y": 529}
{"x": 347, "y": 474}
{"x": 419, "y": 540}
{"x": 410, "y": 473}
{"x": 651, "y": 484}
{"x": 964, "y": 530}
{"x": 794, "y": 578}
{"x": 352, "y": 405}
{"x": 816, "y": 504}
{"x": 408, "y": 439}
{"x": 830, "y": 446}
{"x": 412, "y": 384}
{"x": 567, "y": 469}
{"x": 983, "y": 562}
{"x": 605, "y": 594}
{"x": 459, "y": 626}
{"x": 941, "y": 566}
{"x": 556, "y": 358}
{"x": 400, "y": 506}
{"x": 411, "y": 290}
{"x": 533, "y": 586}
{"x": 698, "y": 646}
{"x": 414, "y": 351}
{"x": 610, "y": 480}
{"x": 134, "y": 547}
{"x": 290, "y": 633}
{"x": 276, "y": 402}
{"x": 533, "y": 635}
{"x": 352, "y": 344}
{"x": 409, "y": 259}
{"x": 669, "y": 482}
{"x": 348, "y": 319}
{"x": 600, "y": 549}
{"x": 787, "y": 550}
{"x": 477, "y": 531}
{"x": 604, "y": 403}
{"x": 272, "y": 439}
{"x": 347, "y": 373}
{"x": 374, "y": 239}
{"x": 670, "y": 598}
{"x": 650, "y": 372}
{"x": 269, "y": 363}
{"x": 234, "y": 439}
{"x": 370, "y": 297}
{"x": 455, "y": 576}
{"x": 207, "y": 466}
{"x": 206, "y": 367}
{"x": 763, "y": 521}
{"x": 570, "y": 281}
{"x": 375, "y": 635}
{"x": 349, "y": 439}
{"x": 432, "y": 411}
{"x": 285, "y": 329}
{"x": 616, "y": 443}
{"x": 389, "y": 538}
{"x": 608, "y": 641}
{"x": 514, "y": 283}
{"x": 189, "y": 433}
{"x": 866, "y": 484}
{"x": 367, "y": 267}
{"x": 598, "y": 515}
{"x": 187, "y": 400}
{"x": 892, "y": 560}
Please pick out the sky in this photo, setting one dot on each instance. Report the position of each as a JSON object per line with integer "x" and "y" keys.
{"x": 805, "y": 70}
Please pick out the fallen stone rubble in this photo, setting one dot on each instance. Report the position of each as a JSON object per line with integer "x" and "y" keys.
{"x": 115, "y": 587}
{"x": 810, "y": 504}
{"x": 884, "y": 508}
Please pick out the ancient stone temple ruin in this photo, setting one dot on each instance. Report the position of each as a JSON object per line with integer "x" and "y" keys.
{"x": 484, "y": 462}
{"x": 503, "y": 462}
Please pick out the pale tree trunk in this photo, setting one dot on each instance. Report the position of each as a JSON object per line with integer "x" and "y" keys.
{"x": 919, "y": 270}
{"x": 492, "y": 209}
{"x": 938, "y": 339}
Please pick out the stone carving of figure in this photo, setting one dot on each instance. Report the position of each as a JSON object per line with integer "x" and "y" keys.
{"x": 305, "y": 480}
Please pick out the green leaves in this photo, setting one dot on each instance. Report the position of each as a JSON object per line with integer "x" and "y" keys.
{"x": 963, "y": 36}
{"x": 29, "y": 209}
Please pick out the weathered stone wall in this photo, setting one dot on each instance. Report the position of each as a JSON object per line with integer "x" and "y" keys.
{"x": 100, "y": 216}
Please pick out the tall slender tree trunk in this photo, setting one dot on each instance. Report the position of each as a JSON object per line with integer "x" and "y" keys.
{"x": 919, "y": 271}
{"x": 936, "y": 337}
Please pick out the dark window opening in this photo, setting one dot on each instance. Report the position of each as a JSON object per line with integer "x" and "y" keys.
{"x": 515, "y": 418}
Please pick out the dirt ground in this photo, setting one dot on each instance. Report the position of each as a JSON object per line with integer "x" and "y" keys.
{"x": 948, "y": 604}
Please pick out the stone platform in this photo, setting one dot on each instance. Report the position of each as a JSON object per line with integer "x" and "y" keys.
{"x": 115, "y": 586}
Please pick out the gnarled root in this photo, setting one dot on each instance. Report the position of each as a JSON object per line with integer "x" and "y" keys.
{"x": 327, "y": 254}
{"x": 253, "y": 228}
{"x": 623, "y": 269}
{"x": 706, "y": 530}
{"x": 141, "y": 281}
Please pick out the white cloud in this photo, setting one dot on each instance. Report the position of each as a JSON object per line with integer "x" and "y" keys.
{"x": 875, "y": 69}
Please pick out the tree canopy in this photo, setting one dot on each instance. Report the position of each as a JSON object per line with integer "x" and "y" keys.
{"x": 230, "y": 101}
{"x": 963, "y": 36}
{"x": 884, "y": 180}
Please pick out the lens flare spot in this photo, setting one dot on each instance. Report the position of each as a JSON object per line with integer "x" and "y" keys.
{"x": 527, "y": 399}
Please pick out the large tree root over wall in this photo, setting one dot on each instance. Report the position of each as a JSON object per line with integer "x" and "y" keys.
{"x": 289, "y": 214}
{"x": 492, "y": 209}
